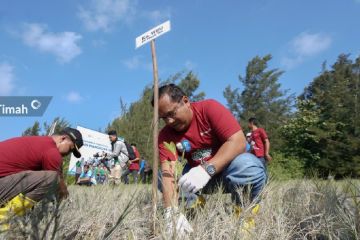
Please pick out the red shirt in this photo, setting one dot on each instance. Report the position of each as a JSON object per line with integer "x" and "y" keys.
{"x": 29, "y": 153}
{"x": 258, "y": 138}
{"x": 212, "y": 124}
{"x": 135, "y": 165}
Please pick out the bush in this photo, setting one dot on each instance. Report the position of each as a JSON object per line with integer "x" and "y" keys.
{"x": 284, "y": 168}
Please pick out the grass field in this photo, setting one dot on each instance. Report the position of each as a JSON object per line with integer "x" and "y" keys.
{"x": 301, "y": 209}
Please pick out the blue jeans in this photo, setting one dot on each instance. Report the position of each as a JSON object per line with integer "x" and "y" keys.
{"x": 246, "y": 170}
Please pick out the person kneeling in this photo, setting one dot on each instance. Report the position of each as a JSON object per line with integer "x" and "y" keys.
{"x": 210, "y": 138}
{"x": 31, "y": 169}
{"x": 86, "y": 178}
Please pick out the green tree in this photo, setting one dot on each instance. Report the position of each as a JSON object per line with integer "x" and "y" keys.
{"x": 36, "y": 130}
{"x": 61, "y": 123}
{"x": 261, "y": 97}
{"x": 332, "y": 140}
{"x": 190, "y": 83}
{"x": 300, "y": 135}
{"x": 32, "y": 131}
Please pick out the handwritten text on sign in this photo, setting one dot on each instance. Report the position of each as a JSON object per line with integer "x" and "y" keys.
{"x": 152, "y": 34}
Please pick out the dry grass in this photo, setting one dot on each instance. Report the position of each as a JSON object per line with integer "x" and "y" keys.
{"x": 307, "y": 209}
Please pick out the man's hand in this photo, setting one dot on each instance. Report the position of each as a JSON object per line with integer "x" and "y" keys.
{"x": 63, "y": 192}
{"x": 194, "y": 180}
{"x": 268, "y": 157}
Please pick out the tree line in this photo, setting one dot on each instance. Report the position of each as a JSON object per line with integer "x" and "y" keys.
{"x": 315, "y": 133}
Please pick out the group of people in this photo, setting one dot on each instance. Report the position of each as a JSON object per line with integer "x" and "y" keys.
{"x": 206, "y": 134}
{"x": 91, "y": 174}
{"x": 113, "y": 167}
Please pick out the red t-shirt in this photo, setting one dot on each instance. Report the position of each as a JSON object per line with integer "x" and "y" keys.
{"x": 212, "y": 124}
{"x": 258, "y": 138}
{"x": 29, "y": 153}
{"x": 135, "y": 165}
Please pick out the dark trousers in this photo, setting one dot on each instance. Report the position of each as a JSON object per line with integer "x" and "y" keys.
{"x": 77, "y": 175}
{"x": 33, "y": 184}
{"x": 142, "y": 176}
{"x": 126, "y": 173}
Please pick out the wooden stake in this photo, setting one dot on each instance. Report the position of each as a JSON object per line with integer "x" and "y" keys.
{"x": 155, "y": 135}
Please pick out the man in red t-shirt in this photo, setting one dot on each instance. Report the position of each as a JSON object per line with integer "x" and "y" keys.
{"x": 213, "y": 143}
{"x": 134, "y": 166}
{"x": 260, "y": 143}
{"x": 31, "y": 168}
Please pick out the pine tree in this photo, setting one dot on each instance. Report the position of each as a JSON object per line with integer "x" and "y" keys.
{"x": 334, "y": 95}
{"x": 32, "y": 131}
{"x": 261, "y": 97}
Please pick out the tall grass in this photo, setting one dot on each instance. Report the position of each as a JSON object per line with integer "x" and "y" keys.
{"x": 301, "y": 209}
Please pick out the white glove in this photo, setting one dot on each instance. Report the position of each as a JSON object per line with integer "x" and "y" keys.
{"x": 194, "y": 180}
{"x": 172, "y": 216}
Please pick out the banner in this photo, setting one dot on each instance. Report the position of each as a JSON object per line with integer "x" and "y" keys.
{"x": 23, "y": 106}
{"x": 94, "y": 142}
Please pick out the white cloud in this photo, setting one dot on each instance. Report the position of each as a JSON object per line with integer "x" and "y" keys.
{"x": 132, "y": 63}
{"x": 74, "y": 97}
{"x": 63, "y": 44}
{"x": 189, "y": 65}
{"x": 290, "y": 63}
{"x": 6, "y": 79}
{"x": 158, "y": 16}
{"x": 98, "y": 42}
{"x": 104, "y": 14}
{"x": 136, "y": 62}
{"x": 305, "y": 45}
{"x": 311, "y": 44}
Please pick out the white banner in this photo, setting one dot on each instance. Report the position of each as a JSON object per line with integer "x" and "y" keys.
{"x": 152, "y": 34}
{"x": 94, "y": 142}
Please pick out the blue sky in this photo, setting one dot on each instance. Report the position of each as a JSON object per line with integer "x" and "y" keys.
{"x": 82, "y": 52}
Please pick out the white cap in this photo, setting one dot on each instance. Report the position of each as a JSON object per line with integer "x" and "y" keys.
{"x": 248, "y": 134}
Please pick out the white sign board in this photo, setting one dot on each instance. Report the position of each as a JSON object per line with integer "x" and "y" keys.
{"x": 152, "y": 34}
{"x": 94, "y": 142}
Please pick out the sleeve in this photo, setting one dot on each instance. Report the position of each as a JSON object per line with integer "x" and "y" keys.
{"x": 263, "y": 135}
{"x": 123, "y": 153}
{"x": 142, "y": 165}
{"x": 116, "y": 152}
{"x": 164, "y": 153}
{"x": 222, "y": 121}
{"x": 137, "y": 154}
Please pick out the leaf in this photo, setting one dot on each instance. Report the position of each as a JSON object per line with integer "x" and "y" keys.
{"x": 171, "y": 147}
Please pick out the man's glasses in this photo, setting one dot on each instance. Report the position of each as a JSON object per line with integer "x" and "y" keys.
{"x": 172, "y": 114}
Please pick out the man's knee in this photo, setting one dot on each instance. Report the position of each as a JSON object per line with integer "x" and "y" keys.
{"x": 49, "y": 177}
{"x": 246, "y": 160}
{"x": 245, "y": 169}
{"x": 34, "y": 184}
{"x": 47, "y": 183}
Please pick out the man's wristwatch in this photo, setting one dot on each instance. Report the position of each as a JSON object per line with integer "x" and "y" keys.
{"x": 209, "y": 168}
